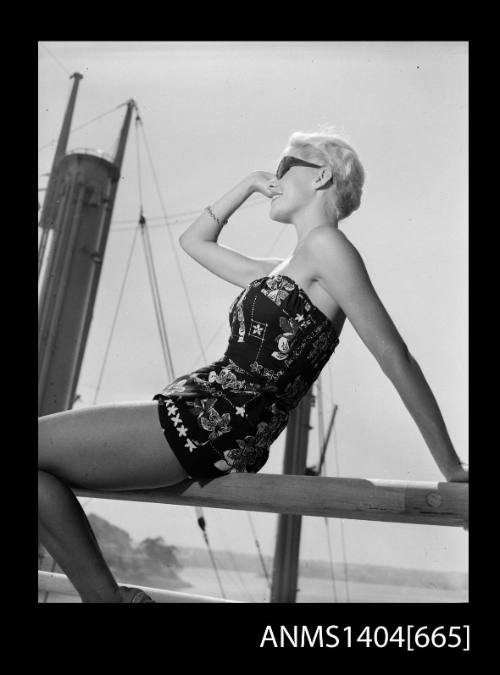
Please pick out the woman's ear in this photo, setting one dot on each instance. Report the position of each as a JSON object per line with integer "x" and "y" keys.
{"x": 323, "y": 178}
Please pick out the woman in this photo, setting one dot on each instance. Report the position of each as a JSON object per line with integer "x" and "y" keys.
{"x": 285, "y": 324}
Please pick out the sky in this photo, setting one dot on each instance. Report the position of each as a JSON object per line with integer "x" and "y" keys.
{"x": 212, "y": 112}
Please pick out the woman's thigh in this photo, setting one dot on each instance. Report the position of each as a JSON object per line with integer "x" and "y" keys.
{"x": 115, "y": 447}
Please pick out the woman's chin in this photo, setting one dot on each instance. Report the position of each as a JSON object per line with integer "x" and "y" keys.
{"x": 277, "y": 215}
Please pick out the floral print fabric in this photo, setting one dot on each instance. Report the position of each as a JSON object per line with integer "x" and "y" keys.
{"x": 224, "y": 417}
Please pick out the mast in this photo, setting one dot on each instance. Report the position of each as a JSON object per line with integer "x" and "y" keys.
{"x": 286, "y": 555}
{"x": 122, "y": 141}
{"x": 78, "y": 208}
{"x": 62, "y": 144}
{"x": 100, "y": 243}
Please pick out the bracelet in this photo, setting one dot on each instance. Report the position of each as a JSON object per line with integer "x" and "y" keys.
{"x": 219, "y": 223}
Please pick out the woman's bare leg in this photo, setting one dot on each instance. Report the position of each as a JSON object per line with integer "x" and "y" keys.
{"x": 113, "y": 447}
{"x": 64, "y": 530}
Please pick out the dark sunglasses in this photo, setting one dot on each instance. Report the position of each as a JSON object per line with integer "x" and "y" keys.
{"x": 288, "y": 161}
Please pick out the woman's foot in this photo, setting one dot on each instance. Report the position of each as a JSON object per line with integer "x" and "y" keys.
{"x": 128, "y": 594}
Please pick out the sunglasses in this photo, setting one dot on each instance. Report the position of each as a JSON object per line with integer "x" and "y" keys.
{"x": 288, "y": 161}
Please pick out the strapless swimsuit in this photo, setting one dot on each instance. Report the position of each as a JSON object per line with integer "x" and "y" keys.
{"x": 223, "y": 417}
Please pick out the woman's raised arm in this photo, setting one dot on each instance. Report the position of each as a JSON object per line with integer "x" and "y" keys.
{"x": 206, "y": 228}
{"x": 341, "y": 271}
{"x": 199, "y": 240}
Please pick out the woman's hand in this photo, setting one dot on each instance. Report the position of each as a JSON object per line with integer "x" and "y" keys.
{"x": 458, "y": 475}
{"x": 264, "y": 182}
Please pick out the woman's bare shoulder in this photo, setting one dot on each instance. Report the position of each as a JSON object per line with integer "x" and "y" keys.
{"x": 327, "y": 245}
{"x": 327, "y": 235}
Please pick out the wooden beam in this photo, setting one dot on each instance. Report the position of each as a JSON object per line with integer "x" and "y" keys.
{"x": 390, "y": 501}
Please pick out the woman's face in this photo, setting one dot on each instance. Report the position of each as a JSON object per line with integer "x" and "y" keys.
{"x": 294, "y": 188}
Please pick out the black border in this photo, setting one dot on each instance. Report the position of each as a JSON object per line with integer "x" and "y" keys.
{"x": 207, "y": 634}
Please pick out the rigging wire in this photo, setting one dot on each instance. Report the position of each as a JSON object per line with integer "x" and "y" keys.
{"x": 223, "y": 322}
{"x": 56, "y": 60}
{"x": 153, "y": 282}
{"x": 182, "y": 216}
{"x": 148, "y": 251}
{"x": 235, "y": 569}
{"x": 173, "y": 247}
{"x": 85, "y": 124}
{"x": 259, "y": 551}
{"x": 330, "y": 554}
{"x": 340, "y": 520}
{"x": 115, "y": 317}
{"x": 203, "y": 527}
{"x": 321, "y": 463}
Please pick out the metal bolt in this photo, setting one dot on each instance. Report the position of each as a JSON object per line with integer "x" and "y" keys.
{"x": 434, "y": 499}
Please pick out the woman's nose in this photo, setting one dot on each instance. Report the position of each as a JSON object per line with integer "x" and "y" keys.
{"x": 274, "y": 184}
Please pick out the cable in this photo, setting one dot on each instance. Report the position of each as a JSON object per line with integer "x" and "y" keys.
{"x": 148, "y": 251}
{"x": 341, "y": 521}
{"x": 321, "y": 463}
{"x": 183, "y": 281}
{"x": 174, "y": 249}
{"x": 342, "y": 534}
{"x": 261, "y": 557}
{"x": 153, "y": 281}
{"x": 138, "y": 158}
{"x": 330, "y": 558}
{"x": 57, "y": 60}
{"x": 330, "y": 554}
{"x": 106, "y": 353}
{"x": 203, "y": 528}
{"x": 85, "y": 124}
{"x": 227, "y": 549}
{"x": 223, "y": 323}
{"x": 183, "y": 216}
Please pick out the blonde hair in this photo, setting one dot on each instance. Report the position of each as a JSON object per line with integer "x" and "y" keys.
{"x": 348, "y": 172}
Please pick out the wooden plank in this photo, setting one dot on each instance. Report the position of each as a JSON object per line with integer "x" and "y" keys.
{"x": 393, "y": 501}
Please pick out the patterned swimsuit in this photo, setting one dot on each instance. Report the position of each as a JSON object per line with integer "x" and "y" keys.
{"x": 224, "y": 417}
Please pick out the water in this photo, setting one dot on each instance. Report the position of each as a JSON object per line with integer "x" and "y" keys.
{"x": 251, "y": 587}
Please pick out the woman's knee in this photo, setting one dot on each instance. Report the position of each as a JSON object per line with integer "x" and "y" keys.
{"x": 43, "y": 445}
{"x": 46, "y": 482}
{"x": 49, "y": 453}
